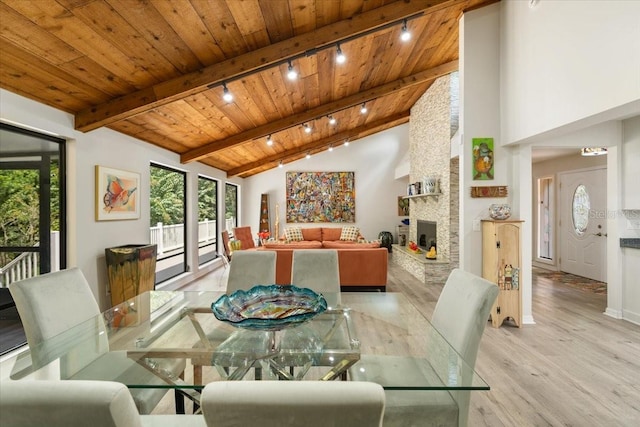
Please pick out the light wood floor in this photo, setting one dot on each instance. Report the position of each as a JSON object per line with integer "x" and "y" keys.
{"x": 574, "y": 367}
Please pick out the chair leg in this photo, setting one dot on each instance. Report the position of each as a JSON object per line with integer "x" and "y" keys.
{"x": 179, "y": 402}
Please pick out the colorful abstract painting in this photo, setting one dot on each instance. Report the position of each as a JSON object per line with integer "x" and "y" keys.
{"x": 321, "y": 197}
{"x": 482, "y": 158}
{"x": 117, "y": 194}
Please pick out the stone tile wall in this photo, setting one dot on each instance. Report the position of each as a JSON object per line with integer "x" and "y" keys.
{"x": 430, "y": 153}
{"x": 434, "y": 120}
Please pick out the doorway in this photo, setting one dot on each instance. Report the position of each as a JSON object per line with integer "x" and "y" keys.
{"x": 583, "y": 223}
{"x": 32, "y": 217}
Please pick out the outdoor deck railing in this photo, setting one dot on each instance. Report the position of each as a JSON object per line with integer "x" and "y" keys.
{"x": 169, "y": 238}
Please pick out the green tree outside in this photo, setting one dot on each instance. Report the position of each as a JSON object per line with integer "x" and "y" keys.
{"x": 207, "y": 199}
{"x": 20, "y": 207}
{"x": 166, "y": 197}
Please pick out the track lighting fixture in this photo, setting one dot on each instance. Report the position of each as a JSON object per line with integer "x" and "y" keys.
{"x": 332, "y": 120}
{"x": 405, "y": 35}
{"x": 307, "y": 128}
{"x": 280, "y": 164}
{"x": 346, "y": 142}
{"x": 363, "y": 109}
{"x": 340, "y": 58}
{"x": 226, "y": 95}
{"x": 331, "y": 148}
{"x": 308, "y": 156}
{"x": 292, "y": 74}
{"x": 269, "y": 141}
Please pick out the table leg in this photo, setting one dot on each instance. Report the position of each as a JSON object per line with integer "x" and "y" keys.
{"x": 197, "y": 374}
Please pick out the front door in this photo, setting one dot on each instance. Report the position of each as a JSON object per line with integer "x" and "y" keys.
{"x": 583, "y": 223}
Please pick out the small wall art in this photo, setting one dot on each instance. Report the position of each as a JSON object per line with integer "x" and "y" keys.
{"x": 489, "y": 191}
{"x": 117, "y": 194}
{"x": 403, "y": 206}
{"x": 482, "y": 150}
{"x": 321, "y": 197}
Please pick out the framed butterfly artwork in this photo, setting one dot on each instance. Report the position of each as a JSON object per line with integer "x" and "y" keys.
{"x": 117, "y": 194}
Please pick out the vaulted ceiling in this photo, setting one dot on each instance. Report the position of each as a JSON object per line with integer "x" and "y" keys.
{"x": 155, "y": 69}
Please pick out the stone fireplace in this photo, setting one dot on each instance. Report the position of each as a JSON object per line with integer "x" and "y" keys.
{"x": 433, "y": 122}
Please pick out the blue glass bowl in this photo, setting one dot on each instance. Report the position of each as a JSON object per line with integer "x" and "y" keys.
{"x": 269, "y": 307}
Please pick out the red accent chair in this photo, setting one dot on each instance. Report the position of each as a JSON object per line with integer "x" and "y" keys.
{"x": 245, "y": 235}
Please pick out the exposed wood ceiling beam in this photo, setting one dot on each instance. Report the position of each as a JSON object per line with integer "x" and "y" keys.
{"x": 339, "y": 138}
{"x": 198, "y": 81}
{"x": 320, "y": 111}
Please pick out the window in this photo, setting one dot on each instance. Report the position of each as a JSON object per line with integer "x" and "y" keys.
{"x": 32, "y": 217}
{"x": 231, "y": 207}
{"x": 207, "y": 219}
{"x": 545, "y": 218}
{"x": 31, "y": 202}
{"x": 580, "y": 207}
{"x": 167, "y": 205}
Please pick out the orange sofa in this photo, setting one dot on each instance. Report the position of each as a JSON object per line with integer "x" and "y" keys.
{"x": 361, "y": 264}
{"x": 365, "y": 268}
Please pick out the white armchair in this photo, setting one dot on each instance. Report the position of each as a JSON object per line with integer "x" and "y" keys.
{"x": 30, "y": 403}
{"x": 316, "y": 269}
{"x": 293, "y": 403}
{"x": 461, "y": 314}
{"x": 51, "y": 304}
{"x": 250, "y": 268}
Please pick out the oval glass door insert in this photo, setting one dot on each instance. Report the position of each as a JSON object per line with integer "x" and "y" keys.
{"x": 580, "y": 209}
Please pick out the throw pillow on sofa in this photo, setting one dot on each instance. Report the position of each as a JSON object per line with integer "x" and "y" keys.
{"x": 293, "y": 234}
{"x": 350, "y": 233}
{"x": 313, "y": 233}
{"x": 331, "y": 233}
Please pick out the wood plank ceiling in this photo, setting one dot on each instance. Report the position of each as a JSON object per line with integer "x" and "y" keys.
{"x": 154, "y": 69}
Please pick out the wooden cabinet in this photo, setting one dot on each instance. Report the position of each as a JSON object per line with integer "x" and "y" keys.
{"x": 501, "y": 262}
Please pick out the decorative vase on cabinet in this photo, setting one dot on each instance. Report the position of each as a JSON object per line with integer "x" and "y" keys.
{"x": 501, "y": 262}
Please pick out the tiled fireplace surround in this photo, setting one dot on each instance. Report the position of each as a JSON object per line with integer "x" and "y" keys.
{"x": 434, "y": 119}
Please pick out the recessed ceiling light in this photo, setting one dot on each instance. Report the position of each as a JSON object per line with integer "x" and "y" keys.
{"x": 593, "y": 151}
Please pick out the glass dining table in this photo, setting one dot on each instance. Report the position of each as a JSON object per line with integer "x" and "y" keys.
{"x": 366, "y": 336}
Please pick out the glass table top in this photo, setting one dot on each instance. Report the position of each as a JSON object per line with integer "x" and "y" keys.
{"x": 378, "y": 337}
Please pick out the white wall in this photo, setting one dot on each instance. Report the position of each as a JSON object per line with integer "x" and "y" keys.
{"x": 88, "y": 238}
{"x": 479, "y": 118}
{"x": 568, "y": 72}
{"x": 629, "y": 222}
{"x": 584, "y": 54}
{"x": 373, "y": 159}
{"x": 631, "y": 163}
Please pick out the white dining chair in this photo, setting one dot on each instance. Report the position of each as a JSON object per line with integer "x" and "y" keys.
{"x": 460, "y": 316}
{"x": 247, "y": 269}
{"x": 316, "y": 269}
{"x": 53, "y": 303}
{"x": 250, "y": 268}
{"x": 32, "y": 403}
{"x": 293, "y": 403}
